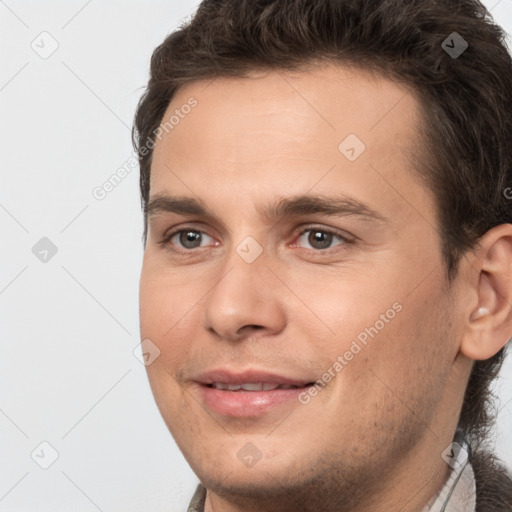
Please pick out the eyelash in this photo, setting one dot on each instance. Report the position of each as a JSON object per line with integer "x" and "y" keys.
{"x": 346, "y": 240}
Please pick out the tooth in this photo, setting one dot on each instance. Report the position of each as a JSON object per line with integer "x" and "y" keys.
{"x": 252, "y": 386}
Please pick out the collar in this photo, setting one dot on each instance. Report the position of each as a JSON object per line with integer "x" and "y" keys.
{"x": 459, "y": 492}
{"x": 197, "y": 503}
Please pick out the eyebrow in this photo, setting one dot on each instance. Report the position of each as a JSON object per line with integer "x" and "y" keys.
{"x": 287, "y": 207}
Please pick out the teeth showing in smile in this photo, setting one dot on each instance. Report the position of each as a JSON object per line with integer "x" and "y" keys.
{"x": 257, "y": 386}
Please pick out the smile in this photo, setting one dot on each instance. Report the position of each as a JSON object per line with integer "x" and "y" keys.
{"x": 251, "y": 386}
{"x": 249, "y": 393}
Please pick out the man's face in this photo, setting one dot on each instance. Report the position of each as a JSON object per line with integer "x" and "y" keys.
{"x": 253, "y": 293}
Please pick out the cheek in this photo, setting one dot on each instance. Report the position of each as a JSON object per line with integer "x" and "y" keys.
{"x": 168, "y": 313}
{"x": 380, "y": 334}
{"x": 406, "y": 363}
{"x": 343, "y": 305}
{"x": 163, "y": 311}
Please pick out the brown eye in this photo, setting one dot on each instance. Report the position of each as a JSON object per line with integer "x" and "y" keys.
{"x": 320, "y": 239}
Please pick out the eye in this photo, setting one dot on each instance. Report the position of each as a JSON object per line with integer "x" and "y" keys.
{"x": 320, "y": 239}
{"x": 188, "y": 239}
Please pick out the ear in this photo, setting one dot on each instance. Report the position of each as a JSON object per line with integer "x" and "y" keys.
{"x": 489, "y": 315}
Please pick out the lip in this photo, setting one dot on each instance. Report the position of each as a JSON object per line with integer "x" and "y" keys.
{"x": 251, "y": 375}
{"x": 245, "y": 404}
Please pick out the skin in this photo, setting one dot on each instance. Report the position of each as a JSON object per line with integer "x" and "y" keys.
{"x": 372, "y": 438}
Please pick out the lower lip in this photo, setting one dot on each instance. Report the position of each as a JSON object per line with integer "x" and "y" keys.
{"x": 243, "y": 404}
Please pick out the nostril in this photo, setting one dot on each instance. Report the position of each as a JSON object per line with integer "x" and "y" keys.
{"x": 249, "y": 330}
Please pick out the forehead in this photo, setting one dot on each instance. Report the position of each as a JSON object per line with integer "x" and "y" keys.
{"x": 287, "y": 131}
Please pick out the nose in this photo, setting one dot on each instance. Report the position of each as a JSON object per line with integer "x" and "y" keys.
{"x": 245, "y": 302}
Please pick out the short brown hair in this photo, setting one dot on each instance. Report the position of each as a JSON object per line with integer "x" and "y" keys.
{"x": 467, "y": 101}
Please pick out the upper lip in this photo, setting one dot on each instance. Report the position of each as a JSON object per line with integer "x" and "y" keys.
{"x": 247, "y": 376}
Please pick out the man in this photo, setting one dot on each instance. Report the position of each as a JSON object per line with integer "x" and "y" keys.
{"x": 328, "y": 245}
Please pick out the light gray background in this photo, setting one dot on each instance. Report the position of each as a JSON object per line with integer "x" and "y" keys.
{"x": 69, "y": 325}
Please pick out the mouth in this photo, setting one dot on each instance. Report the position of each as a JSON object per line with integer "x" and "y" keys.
{"x": 250, "y": 393}
{"x": 255, "y": 386}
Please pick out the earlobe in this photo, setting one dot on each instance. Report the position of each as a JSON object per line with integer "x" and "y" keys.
{"x": 489, "y": 324}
